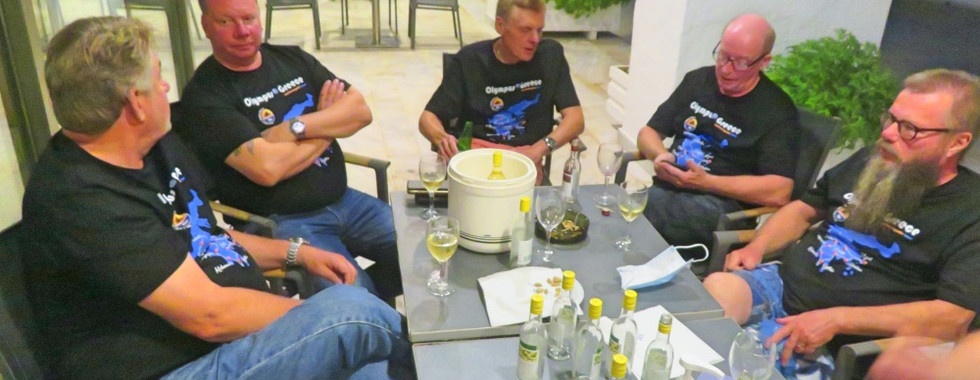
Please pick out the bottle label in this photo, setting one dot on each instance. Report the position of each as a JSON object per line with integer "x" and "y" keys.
{"x": 614, "y": 345}
{"x": 527, "y": 363}
{"x": 596, "y": 363}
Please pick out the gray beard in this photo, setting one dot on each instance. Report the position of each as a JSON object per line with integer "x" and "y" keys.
{"x": 886, "y": 190}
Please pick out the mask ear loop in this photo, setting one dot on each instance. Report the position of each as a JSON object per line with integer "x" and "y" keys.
{"x": 703, "y": 247}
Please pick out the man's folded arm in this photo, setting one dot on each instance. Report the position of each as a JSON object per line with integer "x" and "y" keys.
{"x": 343, "y": 118}
{"x": 267, "y": 163}
{"x": 192, "y": 303}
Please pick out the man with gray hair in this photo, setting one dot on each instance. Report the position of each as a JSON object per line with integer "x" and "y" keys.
{"x": 509, "y": 88}
{"x": 899, "y": 243}
{"x": 129, "y": 275}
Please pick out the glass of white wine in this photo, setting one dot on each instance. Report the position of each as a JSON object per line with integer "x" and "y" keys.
{"x": 632, "y": 201}
{"x": 550, "y": 210}
{"x": 432, "y": 171}
{"x": 442, "y": 238}
{"x": 609, "y": 158}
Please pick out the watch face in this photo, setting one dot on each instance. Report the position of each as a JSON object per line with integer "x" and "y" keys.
{"x": 298, "y": 127}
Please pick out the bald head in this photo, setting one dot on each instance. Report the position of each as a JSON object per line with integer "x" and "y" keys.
{"x": 752, "y": 30}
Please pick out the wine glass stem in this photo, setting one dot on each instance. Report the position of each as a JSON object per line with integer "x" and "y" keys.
{"x": 605, "y": 189}
{"x": 549, "y": 239}
{"x": 432, "y": 200}
{"x": 444, "y": 273}
{"x": 628, "y": 233}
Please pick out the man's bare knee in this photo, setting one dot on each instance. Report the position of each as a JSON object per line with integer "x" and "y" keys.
{"x": 732, "y": 293}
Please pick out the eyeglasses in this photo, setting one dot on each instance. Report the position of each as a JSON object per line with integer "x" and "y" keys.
{"x": 906, "y": 130}
{"x": 738, "y": 64}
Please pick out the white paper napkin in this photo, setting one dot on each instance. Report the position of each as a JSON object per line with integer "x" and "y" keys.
{"x": 686, "y": 344}
{"x": 507, "y": 295}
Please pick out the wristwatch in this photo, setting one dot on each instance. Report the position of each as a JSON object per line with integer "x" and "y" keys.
{"x": 551, "y": 143}
{"x": 294, "y": 244}
{"x": 298, "y": 127}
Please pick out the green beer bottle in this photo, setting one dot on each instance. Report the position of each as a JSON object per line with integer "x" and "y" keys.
{"x": 465, "y": 140}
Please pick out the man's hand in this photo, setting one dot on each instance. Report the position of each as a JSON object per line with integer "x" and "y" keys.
{"x": 806, "y": 332}
{"x": 332, "y": 91}
{"x": 447, "y": 146}
{"x": 331, "y": 266}
{"x": 530, "y": 152}
{"x": 693, "y": 178}
{"x": 746, "y": 258}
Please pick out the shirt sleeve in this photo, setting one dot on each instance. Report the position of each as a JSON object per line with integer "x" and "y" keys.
{"x": 565, "y": 95}
{"x": 112, "y": 243}
{"x": 447, "y": 101}
{"x": 958, "y": 281}
{"x": 661, "y": 121}
{"x": 779, "y": 146}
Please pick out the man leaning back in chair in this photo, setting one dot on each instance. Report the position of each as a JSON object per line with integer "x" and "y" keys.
{"x": 899, "y": 243}
{"x": 129, "y": 275}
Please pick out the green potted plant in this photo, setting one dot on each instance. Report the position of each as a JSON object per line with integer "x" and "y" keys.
{"x": 579, "y": 8}
{"x": 839, "y": 77}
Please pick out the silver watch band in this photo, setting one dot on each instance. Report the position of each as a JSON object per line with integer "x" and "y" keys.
{"x": 294, "y": 244}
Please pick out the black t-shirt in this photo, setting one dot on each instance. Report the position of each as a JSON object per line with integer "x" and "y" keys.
{"x": 754, "y": 134}
{"x": 508, "y": 104}
{"x": 224, "y": 109}
{"x": 101, "y": 239}
{"x": 933, "y": 254}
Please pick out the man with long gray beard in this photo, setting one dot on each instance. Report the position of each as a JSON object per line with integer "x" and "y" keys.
{"x": 899, "y": 245}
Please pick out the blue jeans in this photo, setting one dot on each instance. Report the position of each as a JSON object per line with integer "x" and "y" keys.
{"x": 685, "y": 217}
{"x": 355, "y": 225}
{"x": 339, "y": 333}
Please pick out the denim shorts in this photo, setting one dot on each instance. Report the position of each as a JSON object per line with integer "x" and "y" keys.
{"x": 767, "y": 292}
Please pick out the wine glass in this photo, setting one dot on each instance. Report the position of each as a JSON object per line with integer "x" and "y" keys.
{"x": 442, "y": 238}
{"x": 632, "y": 201}
{"x": 610, "y": 157}
{"x": 550, "y": 210}
{"x": 432, "y": 171}
{"x": 748, "y": 359}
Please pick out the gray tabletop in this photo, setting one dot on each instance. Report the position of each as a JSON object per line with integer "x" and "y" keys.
{"x": 462, "y": 315}
{"x": 497, "y": 358}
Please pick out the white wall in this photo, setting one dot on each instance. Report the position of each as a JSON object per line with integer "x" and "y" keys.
{"x": 672, "y": 37}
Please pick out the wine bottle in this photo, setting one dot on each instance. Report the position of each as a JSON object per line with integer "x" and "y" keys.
{"x": 589, "y": 344}
{"x": 522, "y": 235}
{"x": 465, "y": 140}
{"x": 533, "y": 343}
{"x": 622, "y": 335}
{"x": 561, "y": 329}
{"x": 660, "y": 354}
{"x": 496, "y": 172}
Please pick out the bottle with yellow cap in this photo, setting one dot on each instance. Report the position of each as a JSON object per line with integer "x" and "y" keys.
{"x": 522, "y": 235}
{"x": 533, "y": 343}
{"x": 498, "y": 161}
{"x": 622, "y": 335}
{"x": 620, "y": 368}
{"x": 660, "y": 354}
{"x": 589, "y": 344}
{"x": 561, "y": 329}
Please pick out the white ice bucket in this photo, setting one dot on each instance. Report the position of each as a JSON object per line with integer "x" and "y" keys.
{"x": 486, "y": 209}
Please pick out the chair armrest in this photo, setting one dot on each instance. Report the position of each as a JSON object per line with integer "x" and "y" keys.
{"x": 725, "y": 221}
{"x": 380, "y": 168}
{"x": 627, "y": 158}
{"x": 723, "y": 242}
{"x": 242, "y": 215}
{"x": 853, "y": 360}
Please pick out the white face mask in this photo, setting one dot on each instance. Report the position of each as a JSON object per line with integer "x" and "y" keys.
{"x": 659, "y": 270}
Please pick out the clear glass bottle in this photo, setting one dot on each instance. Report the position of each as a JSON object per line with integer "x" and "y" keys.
{"x": 561, "y": 329}
{"x": 622, "y": 335}
{"x": 522, "y": 235}
{"x": 660, "y": 354}
{"x": 589, "y": 344}
{"x": 465, "y": 140}
{"x": 533, "y": 343}
{"x": 496, "y": 172}
{"x": 570, "y": 178}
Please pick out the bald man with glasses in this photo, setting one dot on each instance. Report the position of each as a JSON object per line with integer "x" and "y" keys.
{"x": 734, "y": 143}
